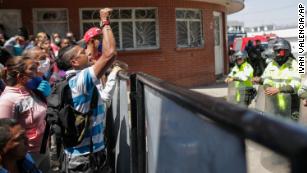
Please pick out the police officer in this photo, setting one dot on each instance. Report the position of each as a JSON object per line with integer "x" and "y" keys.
{"x": 281, "y": 76}
{"x": 255, "y": 57}
{"x": 302, "y": 93}
{"x": 241, "y": 74}
{"x": 268, "y": 53}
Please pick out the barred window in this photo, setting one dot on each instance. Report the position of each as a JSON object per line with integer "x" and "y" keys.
{"x": 134, "y": 29}
{"x": 50, "y": 20}
{"x": 189, "y": 28}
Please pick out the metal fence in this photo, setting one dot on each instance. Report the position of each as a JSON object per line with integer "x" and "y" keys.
{"x": 175, "y": 130}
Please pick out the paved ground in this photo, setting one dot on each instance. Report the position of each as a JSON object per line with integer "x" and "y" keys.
{"x": 259, "y": 159}
{"x": 215, "y": 90}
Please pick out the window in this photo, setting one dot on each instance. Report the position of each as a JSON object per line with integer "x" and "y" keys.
{"x": 189, "y": 30}
{"x": 50, "y": 20}
{"x": 133, "y": 29}
{"x": 11, "y": 21}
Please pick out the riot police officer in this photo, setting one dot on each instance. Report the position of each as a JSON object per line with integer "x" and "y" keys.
{"x": 281, "y": 80}
{"x": 240, "y": 80}
{"x": 255, "y": 57}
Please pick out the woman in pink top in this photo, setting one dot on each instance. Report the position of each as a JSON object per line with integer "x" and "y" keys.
{"x": 20, "y": 102}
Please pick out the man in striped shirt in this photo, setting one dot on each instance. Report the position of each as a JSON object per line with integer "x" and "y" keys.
{"x": 82, "y": 83}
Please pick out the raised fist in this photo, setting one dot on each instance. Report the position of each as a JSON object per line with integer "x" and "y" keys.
{"x": 105, "y": 13}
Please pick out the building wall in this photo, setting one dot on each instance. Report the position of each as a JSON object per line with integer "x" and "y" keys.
{"x": 185, "y": 67}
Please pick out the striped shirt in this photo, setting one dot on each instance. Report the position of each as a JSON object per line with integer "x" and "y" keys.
{"x": 82, "y": 85}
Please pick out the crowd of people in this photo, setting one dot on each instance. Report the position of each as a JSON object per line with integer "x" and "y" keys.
{"x": 31, "y": 67}
{"x": 278, "y": 77}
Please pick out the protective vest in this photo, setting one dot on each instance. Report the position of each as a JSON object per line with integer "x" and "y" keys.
{"x": 243, "y": 76}
{"x": 280, "y": 76}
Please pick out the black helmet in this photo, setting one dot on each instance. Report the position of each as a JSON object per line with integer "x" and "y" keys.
{"x": 282, "y": 50}
{"x": 281, "y": 44}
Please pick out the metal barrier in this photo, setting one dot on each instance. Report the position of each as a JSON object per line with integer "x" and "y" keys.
{"x": 118, "y": 127}
{"x": 177, "y": 130}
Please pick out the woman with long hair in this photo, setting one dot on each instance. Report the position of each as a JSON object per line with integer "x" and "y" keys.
{"x": 22, "y": 100}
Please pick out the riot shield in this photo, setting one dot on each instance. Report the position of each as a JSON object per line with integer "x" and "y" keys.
{"x": 282, "y": 104}
{"x": 237, "y": 95}
{"x": 279, "y": 104}
{"x": 260, "y": 99}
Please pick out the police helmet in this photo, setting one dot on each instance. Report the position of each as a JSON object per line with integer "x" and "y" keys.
{"x": 282, "y": 48}
{"x": 239, "y": 54}
{"x": 281, "y": 44}
{"x": 268, "y": 53}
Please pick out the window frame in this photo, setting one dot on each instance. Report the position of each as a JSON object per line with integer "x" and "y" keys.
{"x": 133, "y": 20}
{"x": 201, "y": 20}
{"x": 36, "y": 22}
{"x": 18, "y": 19}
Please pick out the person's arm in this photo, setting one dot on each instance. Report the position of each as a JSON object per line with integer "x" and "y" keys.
{"x": 109, "y": 52}
{"x": 287, "y": 89}
{"x": 233, "y": 71}
{"x": 246, "y": 74}
{"x": 9, "y": 44}
{"x": 302, "y": 92}
{"x": 107, "y": 92}
{"x": 295, "y": 82}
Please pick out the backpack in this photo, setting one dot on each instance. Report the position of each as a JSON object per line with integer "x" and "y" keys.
{"x": 72, "y": 125}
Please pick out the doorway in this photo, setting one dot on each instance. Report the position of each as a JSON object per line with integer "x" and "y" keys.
{"x": 218, "y": 43}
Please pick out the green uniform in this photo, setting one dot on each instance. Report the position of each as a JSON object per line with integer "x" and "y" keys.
{"x": 242, "y": 82}
{"x": 286, "y": 78}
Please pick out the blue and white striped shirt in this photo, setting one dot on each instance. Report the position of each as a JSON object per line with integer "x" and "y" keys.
{"x": 82, "y": 85}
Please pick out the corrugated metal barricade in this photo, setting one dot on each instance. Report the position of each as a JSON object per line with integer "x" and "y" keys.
{"x": 175, "y": 130}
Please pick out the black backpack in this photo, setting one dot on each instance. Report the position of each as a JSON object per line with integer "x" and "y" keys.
{"x": 63, "y": 119}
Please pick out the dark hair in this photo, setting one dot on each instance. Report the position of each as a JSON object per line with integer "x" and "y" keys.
{"x": 70, "y": 41}
{"x": 4, "y": 56}
{"x": 14, "y": 66}
{"x": 64, "y": 56}
{"x": 31, "y": 37}
{"x": 48, "y": 36}
{"x": 23, "y": 32}
{"x": 5, "y": 134}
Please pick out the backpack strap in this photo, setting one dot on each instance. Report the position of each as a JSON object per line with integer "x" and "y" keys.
{"x": 94, "y": 102}
{"x": 66, "y": 96}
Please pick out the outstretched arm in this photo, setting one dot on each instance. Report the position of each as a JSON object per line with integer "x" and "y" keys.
{"x": 109, "y": 45}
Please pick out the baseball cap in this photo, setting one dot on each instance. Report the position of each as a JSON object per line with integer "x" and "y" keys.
{"x": 92, "y": 32}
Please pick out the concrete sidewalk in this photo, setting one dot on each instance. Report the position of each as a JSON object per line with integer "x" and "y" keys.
{"x": 214, "y": 90}
{"x": 259, "y": 159}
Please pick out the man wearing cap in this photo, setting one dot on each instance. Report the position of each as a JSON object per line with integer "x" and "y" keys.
{"x": 92, "y": 39}
{"x": 88, "y": 156}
